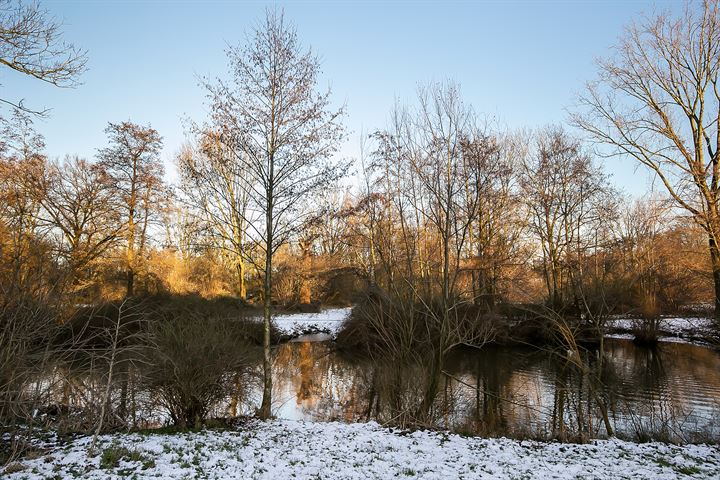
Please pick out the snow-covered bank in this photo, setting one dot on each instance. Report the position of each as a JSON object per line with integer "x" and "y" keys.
{"x": 672, "y": 329}
{"x": 289, "y": 449}
{"x": 328, "y": 321}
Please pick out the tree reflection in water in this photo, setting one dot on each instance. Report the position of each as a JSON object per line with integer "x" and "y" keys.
{"x": 671, "y": 392}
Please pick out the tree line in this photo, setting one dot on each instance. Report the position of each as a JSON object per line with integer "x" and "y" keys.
{"x": 447, "y": 217}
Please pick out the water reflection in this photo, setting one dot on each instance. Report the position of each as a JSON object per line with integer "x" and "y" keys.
{"x": 672, "y": 392}
{"x": 668, "y": 393}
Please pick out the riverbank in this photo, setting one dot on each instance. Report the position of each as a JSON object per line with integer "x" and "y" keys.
{"x": 329, "y": 321}
{"x": 292, "y": 449}
{"x": 695, "y": 330}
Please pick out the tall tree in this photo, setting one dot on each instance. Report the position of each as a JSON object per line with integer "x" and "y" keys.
{"x": 657, "y": 100}
{"x": 214, "y": 187}
{"x": 443, "y": 123}
{"x": 564, "y": 192}
{"x": 639, "y": 230}
{"x": 493, "y": 238}
{"x": 284, "y": 134}
{"x": 132, "y": 161}
{"x": 31, "y": 43}
{"x": 433, "y": 160}
{"x": 80, "y": 207}
{"x": 22, "y": 170}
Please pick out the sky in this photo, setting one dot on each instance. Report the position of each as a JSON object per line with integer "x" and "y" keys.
{"x": 520, "y": 64}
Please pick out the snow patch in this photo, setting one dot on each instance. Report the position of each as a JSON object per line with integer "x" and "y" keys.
{"x": 672, "y": 329}
{"x": 328, "y": 321}
{"x": 296, "y": 449}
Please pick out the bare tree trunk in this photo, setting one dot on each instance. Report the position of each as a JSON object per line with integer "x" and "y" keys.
{"x": 273, "y": 108}
{"x": 130, "y": 286}
{"x": 305, "y": 291}
{"x": 243, "y": 288}
{"x": 265, "y": 410}
{"x": 130, "y": 254}
{"x": 715, "y": 262}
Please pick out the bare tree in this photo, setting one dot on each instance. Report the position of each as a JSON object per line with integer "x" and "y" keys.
{"x": 657, "y": 100}
{"x": 443, "y": 126}
{"x": 363, "y": 217}
{"x": 114, "y": 344}
{"x": 432, "y": 171}
{"x": 363, "y": 235}
{"x": 31, "y": 43}
{"x": 132, "y": 161}
{"x": 284, "y": 134}
{"x": 494, "y": 234}
{"x": 79, "y": 205}
{"x": 214, "y": 187}
{"x": 564, "y": 192}
{"x": 22, "y": 170}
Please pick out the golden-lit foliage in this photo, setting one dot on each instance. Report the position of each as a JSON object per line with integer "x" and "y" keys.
{"x": 444, "y": 206}
{"x": 201, "y": 274}
{"x": 355, "y": 240}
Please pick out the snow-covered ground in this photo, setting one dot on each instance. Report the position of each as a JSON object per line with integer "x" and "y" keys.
{"x": 671, "y": 328}
{"x": 290, "y": 449}
{"x": 328, "y": 321}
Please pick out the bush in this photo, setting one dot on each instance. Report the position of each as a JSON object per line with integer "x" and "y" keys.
{"x": 407, "y": 327}
{"x": 646, "y": 331}
{"x": 197, "y": 361}
{"x": 26, "y": 328}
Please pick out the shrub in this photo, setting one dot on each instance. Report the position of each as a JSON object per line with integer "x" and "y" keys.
{"x": 27, "y": 325}
{"x": 391, "y": 324}
{"x": 196, "y": 361}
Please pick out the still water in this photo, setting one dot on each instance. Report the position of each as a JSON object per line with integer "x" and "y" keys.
{"x": 671, "y": 392}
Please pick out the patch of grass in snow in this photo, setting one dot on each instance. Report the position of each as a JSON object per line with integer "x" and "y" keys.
{"x": 75, "y": 472}
{"x": 687, "y": 470}
{"x": 210, "y": 425}
{"x": 111, "y": 456}
{"x": 226, "y": 446}
{"x": 695, "y": 459}
{"x": 682, "y": 469}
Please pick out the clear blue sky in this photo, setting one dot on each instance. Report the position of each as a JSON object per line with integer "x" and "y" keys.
{"x": 520, "y": 62}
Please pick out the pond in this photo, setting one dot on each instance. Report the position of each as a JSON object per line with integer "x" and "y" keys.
{"x": 671, "y": 392}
